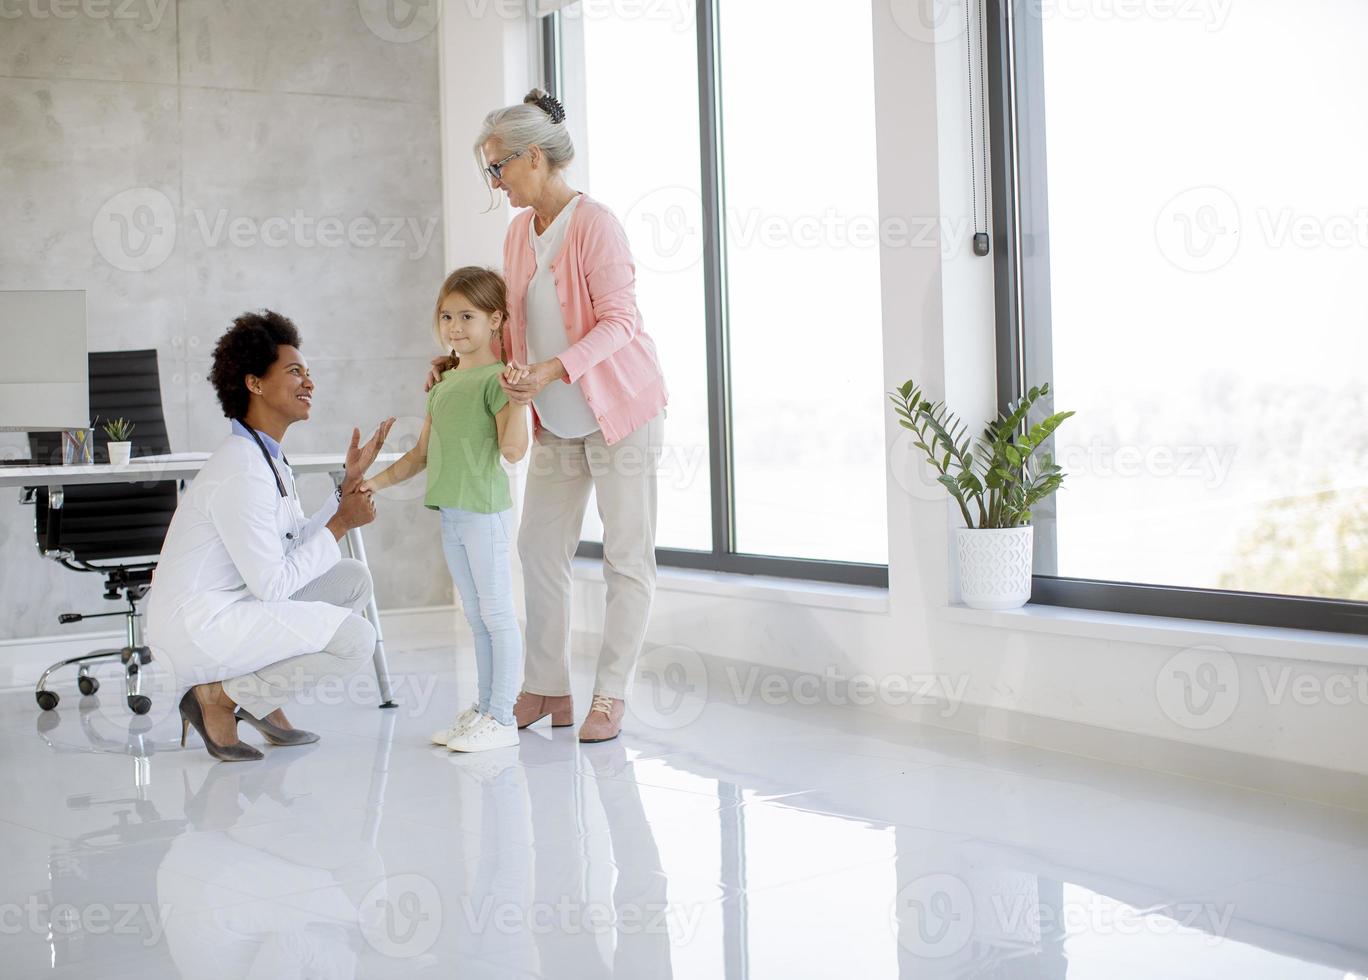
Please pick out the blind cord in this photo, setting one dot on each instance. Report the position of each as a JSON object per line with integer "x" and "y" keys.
{"x": 978, "y": 134}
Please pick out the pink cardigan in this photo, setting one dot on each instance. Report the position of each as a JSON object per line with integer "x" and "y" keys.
{"x": 609, "y": 352}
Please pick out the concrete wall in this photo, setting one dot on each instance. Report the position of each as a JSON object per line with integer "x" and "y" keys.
{"x": 185, "y": 161}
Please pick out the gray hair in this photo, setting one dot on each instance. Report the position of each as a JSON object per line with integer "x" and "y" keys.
{"x": 518, "y": 127}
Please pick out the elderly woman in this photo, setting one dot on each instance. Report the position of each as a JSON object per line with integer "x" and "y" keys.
{"x": 581, "y": 357}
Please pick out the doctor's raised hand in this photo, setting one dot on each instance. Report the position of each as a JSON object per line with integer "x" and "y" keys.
{"x": 360, "y": 458}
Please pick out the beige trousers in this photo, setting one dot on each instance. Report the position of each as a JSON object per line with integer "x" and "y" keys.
{"x": 560, "y": 475}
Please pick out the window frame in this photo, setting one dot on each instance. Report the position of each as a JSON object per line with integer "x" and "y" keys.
{"x": 723, "y": 555}
{"x": 1016, "y": 118}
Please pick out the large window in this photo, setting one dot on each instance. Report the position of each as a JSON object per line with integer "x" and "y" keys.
{"x": 1187, "y": 269}
{"x": 638, "y": 146}
{"x": 802, "y": 284}
{"x": 757, "y": 267}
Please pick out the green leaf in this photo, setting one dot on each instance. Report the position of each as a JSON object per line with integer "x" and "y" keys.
{"x": 949, "y": 483}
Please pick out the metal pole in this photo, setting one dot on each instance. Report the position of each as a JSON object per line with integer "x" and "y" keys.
{"x": 356, "y": 548}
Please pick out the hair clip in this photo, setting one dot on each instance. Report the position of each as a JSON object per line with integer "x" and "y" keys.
{"x": 552, "y": 107}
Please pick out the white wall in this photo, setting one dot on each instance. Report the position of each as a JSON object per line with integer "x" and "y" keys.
{"x": 1093, "y": 693}
{"x": 487, "y": 61}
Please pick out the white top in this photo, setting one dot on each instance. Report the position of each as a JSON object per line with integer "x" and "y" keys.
{"x": 235, "y": 552}
{"x": 560, "y": 406}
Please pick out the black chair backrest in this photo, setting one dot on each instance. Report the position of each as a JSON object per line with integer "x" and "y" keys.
{"x": 123, "y": 384}
{"x": 104, "y": 521}
{"x": 108, "y": 521}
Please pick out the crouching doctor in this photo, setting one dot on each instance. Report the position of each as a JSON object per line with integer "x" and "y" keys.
{"x": 253, "y": 602}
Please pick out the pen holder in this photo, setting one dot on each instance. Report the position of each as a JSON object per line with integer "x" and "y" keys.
{"x": 78, "y": 446}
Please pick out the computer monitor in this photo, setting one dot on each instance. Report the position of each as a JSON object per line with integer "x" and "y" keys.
{"x": 44, "y": 371}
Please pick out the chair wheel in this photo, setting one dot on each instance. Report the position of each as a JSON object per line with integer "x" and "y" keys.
{"x": 88, "y": 685}
{"x": 47, "y": 700}
{"x": 140, "y": 704}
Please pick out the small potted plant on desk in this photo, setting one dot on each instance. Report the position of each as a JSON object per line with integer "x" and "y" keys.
{"x": 995, "y": 481}
{"x": 119, "y": 447}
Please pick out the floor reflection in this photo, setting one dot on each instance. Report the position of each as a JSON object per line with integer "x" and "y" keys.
{"x": 758, "y": 845}
{"x": 248, "y": 829}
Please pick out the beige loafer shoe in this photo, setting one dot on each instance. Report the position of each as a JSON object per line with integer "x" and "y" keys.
{"x": 604, "y": 720}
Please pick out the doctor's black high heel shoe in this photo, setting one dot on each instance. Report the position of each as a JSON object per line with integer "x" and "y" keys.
{"x": 192, "y": 713}
{"x": 274, "y": 733}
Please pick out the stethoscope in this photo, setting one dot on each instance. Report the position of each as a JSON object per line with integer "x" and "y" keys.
{"x": 280, "y": 484}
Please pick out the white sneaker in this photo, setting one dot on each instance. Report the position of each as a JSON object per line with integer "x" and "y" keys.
{"x": 484, "y": 733}
{"x": 463, "y": 721}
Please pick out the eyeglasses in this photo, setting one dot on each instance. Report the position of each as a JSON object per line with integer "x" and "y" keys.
{"x": 495, "y": 170}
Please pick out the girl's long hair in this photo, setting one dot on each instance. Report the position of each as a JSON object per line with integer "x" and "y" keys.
{"x": 486, "y": 291}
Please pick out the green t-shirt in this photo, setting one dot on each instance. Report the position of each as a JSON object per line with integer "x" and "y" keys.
{"x": 464, "y": 463}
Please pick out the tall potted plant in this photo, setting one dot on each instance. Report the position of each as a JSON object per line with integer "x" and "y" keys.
{"x": 996, "y": 480}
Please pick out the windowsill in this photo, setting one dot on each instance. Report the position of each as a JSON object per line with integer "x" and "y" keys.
{"x": 1259, "y": 641}
{"x": 762, "y": 588}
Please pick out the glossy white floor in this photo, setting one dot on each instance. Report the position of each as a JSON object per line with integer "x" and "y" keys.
{"x": 755, "y": 842}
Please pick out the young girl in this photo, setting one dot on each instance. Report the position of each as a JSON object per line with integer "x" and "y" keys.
{"x": 470, "y": 424}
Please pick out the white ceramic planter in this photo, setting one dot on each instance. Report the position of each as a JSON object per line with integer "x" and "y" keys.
{"x": 995, "y": 566}
{"x": 119, "y": 453}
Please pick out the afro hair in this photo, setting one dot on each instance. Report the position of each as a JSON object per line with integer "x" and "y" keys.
{"x": 249, "y": 347}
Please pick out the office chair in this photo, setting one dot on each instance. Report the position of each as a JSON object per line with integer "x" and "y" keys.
{"x": 113, "y": 529}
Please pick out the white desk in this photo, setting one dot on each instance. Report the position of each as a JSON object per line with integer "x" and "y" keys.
{"x": 184, "y": 466}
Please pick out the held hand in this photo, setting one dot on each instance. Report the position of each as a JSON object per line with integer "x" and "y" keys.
{"x": 439, "y": 365}
{"x": 512, "y": 380}
{"x": 356, "y": 509}
{"x": 360, "y": 458}
{"x": 530, "y": 379}
{"x": 515, "y": 373}
{"x": 515, "y": 395}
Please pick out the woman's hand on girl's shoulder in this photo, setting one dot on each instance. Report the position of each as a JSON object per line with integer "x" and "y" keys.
{"x": 440, "y": 365}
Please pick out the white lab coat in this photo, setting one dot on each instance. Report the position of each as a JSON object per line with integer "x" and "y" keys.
{"x": 220, "y": 605}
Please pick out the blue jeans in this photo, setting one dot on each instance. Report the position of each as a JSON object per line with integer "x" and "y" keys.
{"x": 477, "y": 552}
